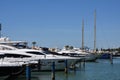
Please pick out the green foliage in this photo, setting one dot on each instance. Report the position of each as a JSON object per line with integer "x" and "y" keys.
{"x": 111, "y": 49}
{"x": 33, "y": 43}
{"x": 67, "y": 47}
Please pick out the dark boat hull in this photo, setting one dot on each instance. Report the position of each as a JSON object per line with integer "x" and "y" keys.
{"x": 10, "y": 70}
{"x": 104, "y": 56}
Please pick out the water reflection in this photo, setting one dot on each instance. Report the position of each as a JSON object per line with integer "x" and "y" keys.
{"x": 100, "y": 70}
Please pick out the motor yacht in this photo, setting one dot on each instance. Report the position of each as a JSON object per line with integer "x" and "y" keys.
{"x": 78, "y": 53}
{"x": 36, "y": 55}
{"x": 10, "y": 68}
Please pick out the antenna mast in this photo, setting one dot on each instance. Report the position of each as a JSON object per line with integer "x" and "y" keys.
{"x": 95, "y": 31}
{"x": 0, "y": 30}
{"x": 82, "y": 34}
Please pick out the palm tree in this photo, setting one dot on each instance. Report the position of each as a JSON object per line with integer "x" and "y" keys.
{"x": 67, "y": 47}
{"x": 33, "y": 44}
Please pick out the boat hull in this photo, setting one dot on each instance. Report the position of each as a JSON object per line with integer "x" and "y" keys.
{"x": 9, "y": 70}
{"x": 104, "y": 56}
{"x": 46, "y": 65}
{"x": 90, "y": 57}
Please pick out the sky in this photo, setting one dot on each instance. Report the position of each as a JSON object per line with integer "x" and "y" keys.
{"x": 56, "y": 23}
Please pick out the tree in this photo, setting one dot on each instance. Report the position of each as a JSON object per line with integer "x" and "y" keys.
{"x": 67, "y": 47}
{"x": 119, "y": 49}
{"x": 71, "y": 47}
{"x": 33, "y": 43}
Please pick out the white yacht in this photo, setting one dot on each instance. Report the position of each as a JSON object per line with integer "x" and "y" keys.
{"x": 78, "y": 53}
{"x": 21, "y": 55}
{"x": 10, "y": 68}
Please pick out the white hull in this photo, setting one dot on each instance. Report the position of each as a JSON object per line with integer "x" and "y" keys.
{"x": 45, "y": 62}
{"x": 46, "y": 65}
{"x": 79, "y": 54}
{"x": 90, "y": 57}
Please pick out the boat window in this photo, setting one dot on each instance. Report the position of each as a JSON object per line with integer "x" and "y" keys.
{"x": 15, "y": 55}
{"x": 61, "y": 61}
{"x": 50, "y": 52}
{"x": 2, "y": 55}
{"x": 20, "y": 46}
{"x": 5, "y": 48}
{"x": 33, "y": 52}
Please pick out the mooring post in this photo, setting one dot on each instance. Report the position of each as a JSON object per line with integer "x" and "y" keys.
{"x": 111, "y": 58}
{"x": 53, "y": 70}
{"x": 80, "y": 63}
{"x": 28, "y": 72}
{"x": 84, "y": 62}
{"x": 66, "y": 66}
{"x": 39, "y": 65}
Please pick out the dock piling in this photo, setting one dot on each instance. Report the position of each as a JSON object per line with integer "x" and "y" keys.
{"x": 53, "y": 70}
{"x": 28, "y": 72}
{"x": 66, "y": 67}
{"x": 84, "y": 62}
{"x": 39, "y": 65}
{"x": 111, "y": 58}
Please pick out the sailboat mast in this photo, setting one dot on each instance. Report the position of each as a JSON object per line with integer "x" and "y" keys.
{"x": 82, "y": 34}
{"x": 95, "y": 31}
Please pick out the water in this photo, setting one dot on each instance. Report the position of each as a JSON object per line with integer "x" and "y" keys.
{"x": 100, "y": 70}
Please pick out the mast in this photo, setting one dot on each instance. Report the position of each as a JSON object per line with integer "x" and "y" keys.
{"x": 95, "y": 31}
{"x": 82, "y": 34}
{"x": 0, "y": 30}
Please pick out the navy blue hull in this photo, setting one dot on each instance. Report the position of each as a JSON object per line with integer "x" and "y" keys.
{"x": 104, "y": 56}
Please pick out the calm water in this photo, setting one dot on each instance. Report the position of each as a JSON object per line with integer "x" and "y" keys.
{"x": 100, "y": 70}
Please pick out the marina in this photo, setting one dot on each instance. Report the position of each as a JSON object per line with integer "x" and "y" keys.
{"x": 18, "y": 60}
{"x": 25, "y": 62}
{"x": 59, "y": 40}
{"x": 99, "y": 70}
{"x": 43, "y": 64}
